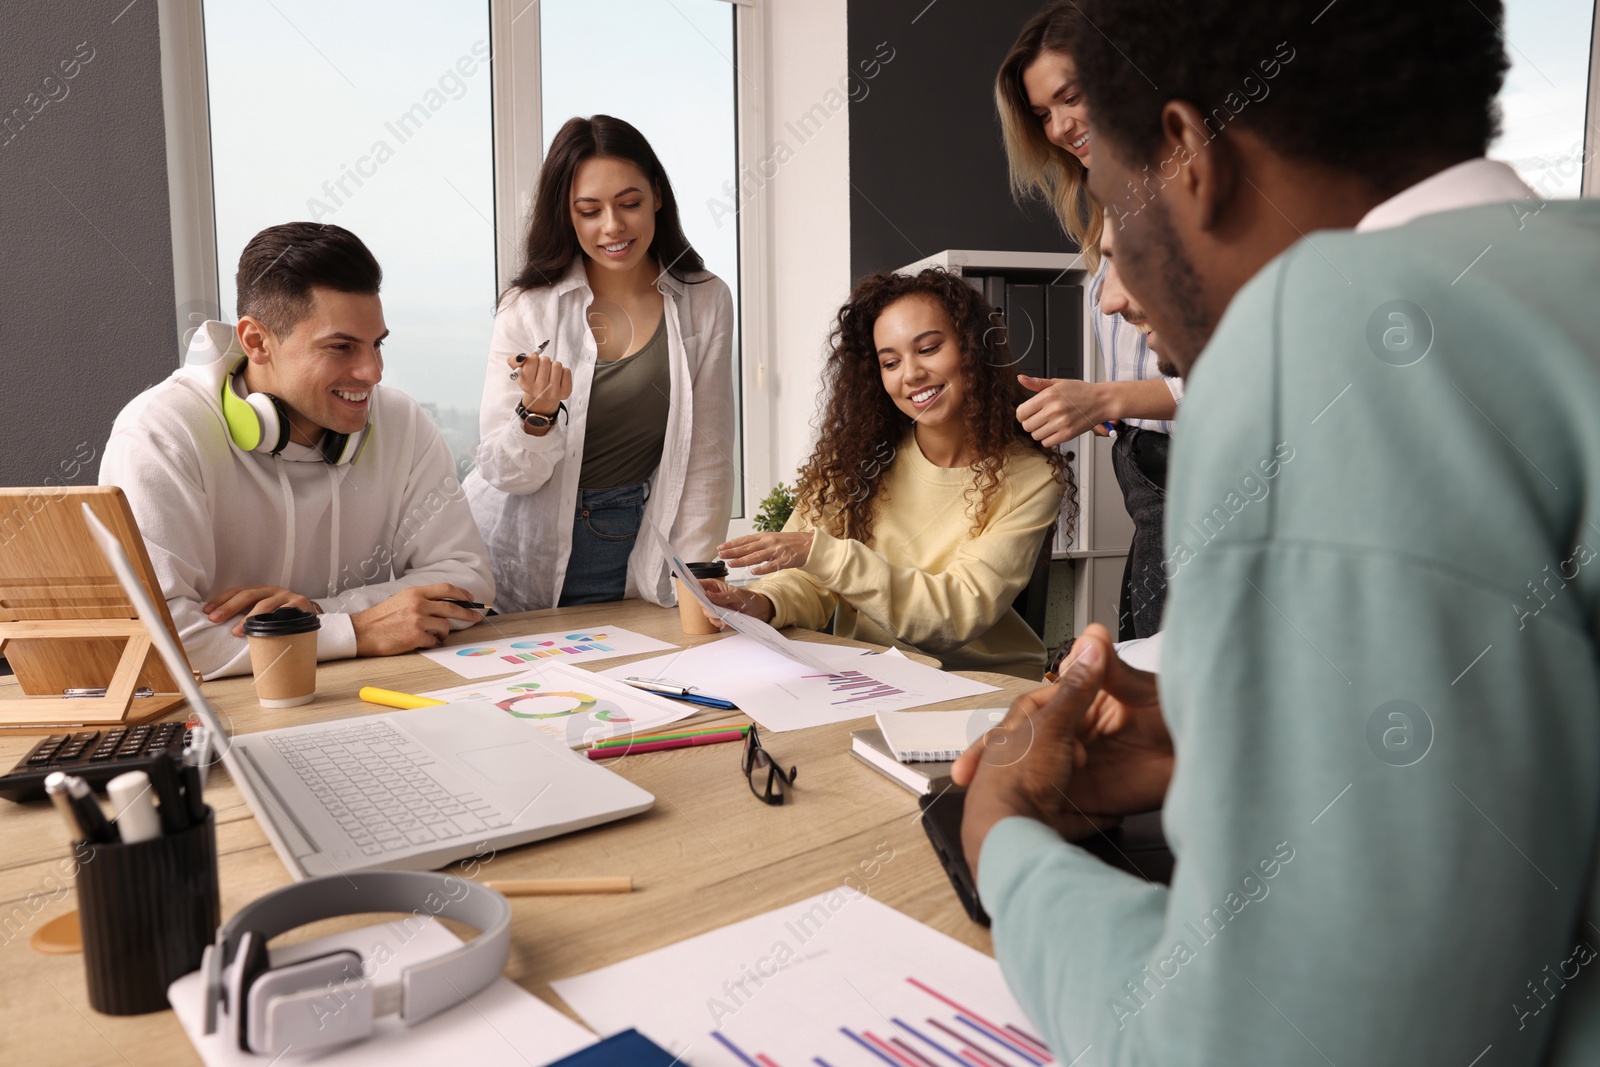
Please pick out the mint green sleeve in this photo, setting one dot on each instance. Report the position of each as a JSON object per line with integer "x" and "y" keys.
{"x": 1388, "y": 771}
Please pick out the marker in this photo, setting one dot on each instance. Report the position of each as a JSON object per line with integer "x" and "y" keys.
{"x": 389, "y": 698}
{"x": 193, "y": 789}
{"x": 92, "y": 824}
{"x": 659, "y": 746}
{"x": 55, "y": 787}
{"x": 470, "y": 605}
{"x": 164, "y": 781}
{"x": 522, "y": 358}
{"x": 133, "y": 807}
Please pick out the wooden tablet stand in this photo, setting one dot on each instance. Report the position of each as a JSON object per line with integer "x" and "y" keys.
{"x": 65, "y": 622}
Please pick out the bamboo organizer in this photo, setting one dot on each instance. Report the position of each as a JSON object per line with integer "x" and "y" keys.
{"x": 65, "y": 622}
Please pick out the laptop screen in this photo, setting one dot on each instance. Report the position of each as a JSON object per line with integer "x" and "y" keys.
{"x": 117, "y": 556}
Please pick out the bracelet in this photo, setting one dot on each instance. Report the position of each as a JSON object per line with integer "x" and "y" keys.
{"x": 538, "y": 421}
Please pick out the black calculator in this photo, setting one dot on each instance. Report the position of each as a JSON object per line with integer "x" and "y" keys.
{"x": 96, "y": 756}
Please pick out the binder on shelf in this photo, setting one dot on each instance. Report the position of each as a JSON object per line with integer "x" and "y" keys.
{"x": 1063, "y": 317}
{"x": 1025, "y": 322}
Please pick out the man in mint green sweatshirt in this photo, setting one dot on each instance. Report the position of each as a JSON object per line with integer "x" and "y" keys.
{"x": 1376, "y": 741}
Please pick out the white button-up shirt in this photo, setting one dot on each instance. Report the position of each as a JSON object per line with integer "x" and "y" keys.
{"x": 525, "y": 489}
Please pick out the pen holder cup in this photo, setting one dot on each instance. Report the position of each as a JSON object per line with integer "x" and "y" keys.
{"x": 147, "y": 912}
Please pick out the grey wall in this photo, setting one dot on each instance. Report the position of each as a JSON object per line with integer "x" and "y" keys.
{"x": 927, "y": 166}
{"x": 86, "y": 305}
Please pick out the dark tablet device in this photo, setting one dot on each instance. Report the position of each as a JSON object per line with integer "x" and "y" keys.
{"x": 1136, "y": 847}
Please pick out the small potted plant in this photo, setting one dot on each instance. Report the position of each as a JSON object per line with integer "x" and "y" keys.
{"x": 773, "y": 514}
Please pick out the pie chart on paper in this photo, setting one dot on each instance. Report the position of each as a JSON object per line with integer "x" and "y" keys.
{"x": 475, "y": 652}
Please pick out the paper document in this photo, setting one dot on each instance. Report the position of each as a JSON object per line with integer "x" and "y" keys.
{"x": 748, "y": 625}
{"x": 487, "y": 659}
{"x": 838, "y": 979}
{"x": 576, "y": 706}
{"x": 502, "y": 1026}
{"x": 782, "y": 694}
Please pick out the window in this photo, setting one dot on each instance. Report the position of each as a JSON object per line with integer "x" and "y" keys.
{"x": 382, "y": 118}
{"x": 668, "y": 69}
{"x": 374, "y": 116}
{"x": 1543, "y": 101}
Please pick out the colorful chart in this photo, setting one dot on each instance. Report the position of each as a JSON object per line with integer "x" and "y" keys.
{"x": 561, "y": 648}
{"x": 853, "y": 686}
{"x": 954, "y": 1036}
{"x": 475, "y": 651}
{"x": 527, "y": 693}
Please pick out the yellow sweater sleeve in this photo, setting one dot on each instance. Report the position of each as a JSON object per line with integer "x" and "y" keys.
{"x": 798, "y": 599}
{"x": 936, "y": 611}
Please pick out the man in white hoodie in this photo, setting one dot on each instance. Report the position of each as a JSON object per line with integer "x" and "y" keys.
{"x": 270, "y": 469}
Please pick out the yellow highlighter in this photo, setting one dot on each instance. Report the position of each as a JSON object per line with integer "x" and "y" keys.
{"x": 391, "y": 699}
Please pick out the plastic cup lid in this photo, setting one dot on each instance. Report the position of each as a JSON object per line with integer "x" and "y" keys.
{"x": 283, "y": 622}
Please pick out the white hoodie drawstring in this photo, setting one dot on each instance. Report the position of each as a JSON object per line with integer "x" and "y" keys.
{"x": 288, "y": 522}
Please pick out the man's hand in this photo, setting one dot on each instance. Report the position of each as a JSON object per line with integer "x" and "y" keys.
{"x": 733, "y": 598}
{"x": 1077, "y": 756}
{"x": 1060, "y": 409}
{"x": 767, "y": 552}
{"x": 253, "y": 600}
{"x": 409, "y": 620}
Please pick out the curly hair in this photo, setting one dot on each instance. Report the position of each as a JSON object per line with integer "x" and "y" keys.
{"x": 1041, "y": 170}
{"x": 858, "y": 425}
{"x": 1391, "y": 91}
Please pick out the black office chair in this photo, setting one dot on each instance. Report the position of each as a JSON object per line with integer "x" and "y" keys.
{"x": 1034, "y": 600}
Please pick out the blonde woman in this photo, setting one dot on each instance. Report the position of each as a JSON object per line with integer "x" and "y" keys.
{"x": 1045, "y": 122}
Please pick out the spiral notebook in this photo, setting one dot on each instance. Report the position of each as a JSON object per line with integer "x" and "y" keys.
{"x": 929, "y": 736}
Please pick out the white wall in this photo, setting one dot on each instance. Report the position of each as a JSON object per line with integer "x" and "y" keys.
{"x": 809, "y": 238}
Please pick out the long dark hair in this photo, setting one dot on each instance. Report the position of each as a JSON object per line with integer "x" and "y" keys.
{"x": 859, "y": 426}
{"x": 552, "y": 244}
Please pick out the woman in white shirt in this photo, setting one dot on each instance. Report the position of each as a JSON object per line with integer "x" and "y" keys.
{"x": 608, "y": 405}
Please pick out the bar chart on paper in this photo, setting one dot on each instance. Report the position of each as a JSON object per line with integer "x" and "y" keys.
{"x": 945, "y": 1032}
{"x": 514, "y": 654}
{"x": 835, "y": 981}
{"x": 850, "y": 687}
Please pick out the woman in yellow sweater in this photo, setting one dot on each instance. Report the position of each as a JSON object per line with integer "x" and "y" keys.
{"x": 922, "y": 508}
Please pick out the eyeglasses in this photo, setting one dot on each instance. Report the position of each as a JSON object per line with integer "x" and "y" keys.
{"x": 756, "y": 760}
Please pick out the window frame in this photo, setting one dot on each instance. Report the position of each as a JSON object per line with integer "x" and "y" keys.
{"x": 517, "y": 144}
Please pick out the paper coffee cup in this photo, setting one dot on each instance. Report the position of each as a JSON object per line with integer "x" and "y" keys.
{"x": 691, "y": 616}
{"x": 283, "y": 653}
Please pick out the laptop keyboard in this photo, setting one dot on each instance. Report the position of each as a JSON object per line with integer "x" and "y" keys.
{"x": 371, "y": 778}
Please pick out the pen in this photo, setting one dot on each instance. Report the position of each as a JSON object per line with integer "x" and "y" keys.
{"x": 389, "y": 698}
{"x": 164, "y": 781}
{"x": 614, "y": 742}
{"x": 679, "y": 692}
{"x": 544, "y": 887}
{"x": 132, "y": 807}
{"x": 666, "y": 688}
{"x": 470, "y": 605}
{"x": 92, "y": 824}
{"x": 521, "y": 356}
{"x": 55, "y": 786}
{"x": 658, "y": 746}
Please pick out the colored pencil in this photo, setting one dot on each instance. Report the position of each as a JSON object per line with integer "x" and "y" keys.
{"x": 614, "y": 742}
{"x": 658, "y": 746}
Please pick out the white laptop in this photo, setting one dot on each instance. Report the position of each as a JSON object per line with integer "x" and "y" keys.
{"x": 407, "y": 789}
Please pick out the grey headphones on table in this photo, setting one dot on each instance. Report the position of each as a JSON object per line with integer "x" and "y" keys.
{"x": 326, "y": 1000}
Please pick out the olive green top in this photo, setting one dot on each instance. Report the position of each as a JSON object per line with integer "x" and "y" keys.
{"x": 628, "y": 407}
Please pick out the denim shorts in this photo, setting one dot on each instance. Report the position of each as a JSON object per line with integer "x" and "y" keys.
{"x": 604, "y": 528}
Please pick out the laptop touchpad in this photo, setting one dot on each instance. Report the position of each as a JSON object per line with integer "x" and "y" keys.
{"x": 515, "y": 764}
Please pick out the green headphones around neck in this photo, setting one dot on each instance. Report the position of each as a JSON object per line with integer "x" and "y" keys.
{"x": 258, "y": 422}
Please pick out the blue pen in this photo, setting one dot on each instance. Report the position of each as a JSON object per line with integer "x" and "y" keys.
{"x": 677, "y": 692}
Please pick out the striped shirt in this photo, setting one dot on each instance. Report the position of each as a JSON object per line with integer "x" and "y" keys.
{"x": 1127, "y": 357}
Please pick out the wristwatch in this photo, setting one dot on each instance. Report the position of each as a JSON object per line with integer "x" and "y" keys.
{"x": 536, "y": 420}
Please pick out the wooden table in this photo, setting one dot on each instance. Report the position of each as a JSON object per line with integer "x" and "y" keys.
{"x": 707, "y": 854}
